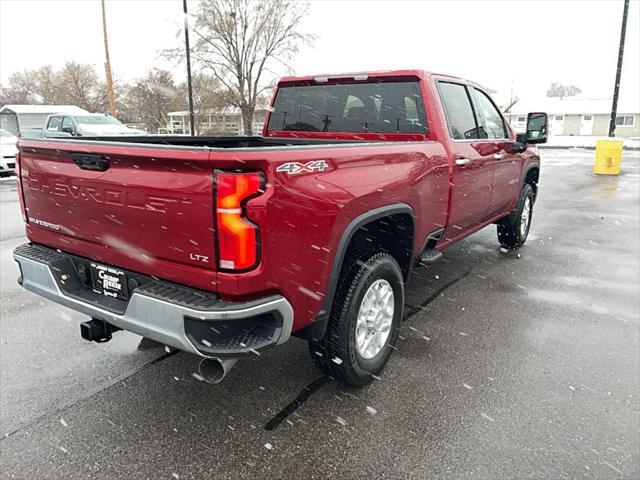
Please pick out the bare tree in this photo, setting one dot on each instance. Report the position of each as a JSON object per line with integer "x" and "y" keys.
{"x": 148, "y": 100}
{"x": 79, "y": 85}
{"x": 506, "y": 108}
{"x": 208, "y": 95}
{"x": 31, "y": 86}
{"x": 560, "y": 90}
{"x": 239, "y": 40}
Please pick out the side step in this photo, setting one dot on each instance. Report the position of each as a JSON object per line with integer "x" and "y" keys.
{"x": 430, "y": 256}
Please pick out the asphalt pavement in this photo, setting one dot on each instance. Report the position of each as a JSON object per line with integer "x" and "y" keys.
{"x": 510, "y": 365}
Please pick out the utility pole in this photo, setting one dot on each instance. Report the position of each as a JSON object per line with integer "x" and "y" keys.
{"x": 186, "y": 44}
{"x": 616, "y": 89}
{"x": 107, "y": 63}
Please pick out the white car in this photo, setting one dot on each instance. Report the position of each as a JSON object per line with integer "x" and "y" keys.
{"x": 89, "y": 125}
{"x": 8, "y": 152}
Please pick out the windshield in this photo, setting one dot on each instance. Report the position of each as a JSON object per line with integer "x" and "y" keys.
{"x": 389, "y": 107}
{"x": 97, "y": 120}
{"x": 5, "y": 134}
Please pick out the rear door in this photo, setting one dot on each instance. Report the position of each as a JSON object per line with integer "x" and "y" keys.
{"x": 472, "y": 161}
{"x": 143, "y": 209}
{"x": 507, "y": 165}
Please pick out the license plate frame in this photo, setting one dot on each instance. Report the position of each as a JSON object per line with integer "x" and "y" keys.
{"x": 109, "y": 281}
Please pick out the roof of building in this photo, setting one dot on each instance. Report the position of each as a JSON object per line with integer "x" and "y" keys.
{"x": 47, "y": 109}
{"x": 221, "y": 111}
{"x": 574, "y": 106}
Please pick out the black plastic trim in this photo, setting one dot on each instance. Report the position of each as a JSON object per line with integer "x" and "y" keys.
{"x": 430, "y": 242}
{"x": 318, "y": 327}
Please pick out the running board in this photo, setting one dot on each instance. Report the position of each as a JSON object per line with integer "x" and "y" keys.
{"x": 430, "y": 256}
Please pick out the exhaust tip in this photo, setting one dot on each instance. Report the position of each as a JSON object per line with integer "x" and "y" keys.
{"x": 213, "y": 370}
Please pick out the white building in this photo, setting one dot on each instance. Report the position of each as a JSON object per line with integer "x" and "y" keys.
{"x": 579, "y": 116}
{"x": 225, "y": 122}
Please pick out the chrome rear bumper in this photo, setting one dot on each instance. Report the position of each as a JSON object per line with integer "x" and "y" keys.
{"x": 174, "y": 315}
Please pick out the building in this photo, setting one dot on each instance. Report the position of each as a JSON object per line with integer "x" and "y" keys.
{"x": 579, "y": 116}
{"x": 227, "y": 122}
{"x": 30, "y": 118}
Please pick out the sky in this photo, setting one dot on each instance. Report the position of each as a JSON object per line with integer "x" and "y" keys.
{"x": 514, "y": 46}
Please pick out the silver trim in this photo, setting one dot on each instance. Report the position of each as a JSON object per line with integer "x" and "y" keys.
{"x": 363, "y": 143}
{"x": 150, "y": 317}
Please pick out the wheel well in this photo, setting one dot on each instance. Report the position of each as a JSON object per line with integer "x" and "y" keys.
{"x": 532, "y": 179}
{"x": 392, "y": 234}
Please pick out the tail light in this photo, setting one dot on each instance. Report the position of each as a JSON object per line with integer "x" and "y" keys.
{"x": 238, "y": 237}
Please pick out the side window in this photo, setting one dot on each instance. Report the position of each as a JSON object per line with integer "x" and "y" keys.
{"x": 457, "y": 107}
{"x": 491, "y": 118}
{"x": 67, "y": 125}
{"x": 54, "y": 124}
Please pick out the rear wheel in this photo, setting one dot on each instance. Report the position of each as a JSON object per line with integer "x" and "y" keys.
{"x": 364, "y": 322}
{"x": 514, "y": 229}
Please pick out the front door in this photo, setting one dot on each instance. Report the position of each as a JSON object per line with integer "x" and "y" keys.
{"x": 586, "y": 125}
{"x": 507, "y": 164}
{"x": 472, "y": 162}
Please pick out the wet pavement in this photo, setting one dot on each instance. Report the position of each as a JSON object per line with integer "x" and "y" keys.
{"x": 511, "y": 365}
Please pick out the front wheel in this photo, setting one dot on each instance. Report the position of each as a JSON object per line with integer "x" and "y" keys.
{"x": 364, "y": 322}
{"x": 514, "y": 229}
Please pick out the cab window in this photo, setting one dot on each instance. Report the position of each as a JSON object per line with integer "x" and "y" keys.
{"x": 67, "y": 125}
{"x": 54, "y": 124}
{"x": 458, "y": 111}
{"x": 492, "y": 124}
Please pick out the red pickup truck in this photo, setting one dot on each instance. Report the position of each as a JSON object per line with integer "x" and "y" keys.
{"x": 224, "y": 247}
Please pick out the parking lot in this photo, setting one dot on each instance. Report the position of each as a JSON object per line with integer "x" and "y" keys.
{"x": 510, "y": 365}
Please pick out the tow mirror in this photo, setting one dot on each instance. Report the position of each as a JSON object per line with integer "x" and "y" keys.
{"x": 537, "y": 127}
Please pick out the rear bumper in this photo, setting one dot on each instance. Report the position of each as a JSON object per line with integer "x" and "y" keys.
{"x": 185, "y": 318}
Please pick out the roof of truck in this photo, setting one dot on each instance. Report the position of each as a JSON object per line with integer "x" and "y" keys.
{"x": 361, "y": 75}
{"x": 45, "y": 109}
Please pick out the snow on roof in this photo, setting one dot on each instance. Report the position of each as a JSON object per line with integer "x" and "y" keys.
{"x": 70, "y": 109}
{"x": 574, "y": 106}
{"x": 213, "y": 111}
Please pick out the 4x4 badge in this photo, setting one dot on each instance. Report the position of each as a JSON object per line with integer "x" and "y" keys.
{"x": 293, "y": 168}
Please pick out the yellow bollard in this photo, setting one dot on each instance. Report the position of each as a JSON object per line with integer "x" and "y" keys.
{"x": 608, "y": 157}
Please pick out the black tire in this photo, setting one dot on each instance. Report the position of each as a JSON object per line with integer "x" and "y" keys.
{"x": 511, "y": 232}
{"x": 336, "y": 354}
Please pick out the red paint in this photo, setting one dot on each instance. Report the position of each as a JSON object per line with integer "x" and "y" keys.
{"x": 153, "y": 211}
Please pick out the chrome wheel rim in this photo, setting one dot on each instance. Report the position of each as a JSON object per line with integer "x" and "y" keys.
{"x": 375, "y": 317}
{"x": 525, "y": 217}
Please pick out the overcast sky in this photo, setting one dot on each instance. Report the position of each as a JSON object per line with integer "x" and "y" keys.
{"x": 524, "y": 45}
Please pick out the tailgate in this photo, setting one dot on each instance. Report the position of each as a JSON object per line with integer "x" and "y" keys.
{"x": 144, "y": 206}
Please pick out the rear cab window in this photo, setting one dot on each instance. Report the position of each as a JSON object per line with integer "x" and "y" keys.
{"x": 380, "y": 107}
{"x": 458, "y": 111}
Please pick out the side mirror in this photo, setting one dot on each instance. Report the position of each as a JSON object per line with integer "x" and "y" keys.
{"x": 69, "y": 130}
{"x": 537, "y": 127}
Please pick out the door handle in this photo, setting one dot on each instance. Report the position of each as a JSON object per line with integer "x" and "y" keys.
{"x": 90, "y": 162}
{"x": 499, "y": 156}
{"x": 462, "y": 161}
